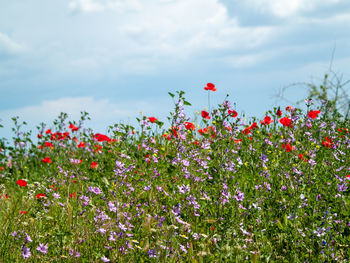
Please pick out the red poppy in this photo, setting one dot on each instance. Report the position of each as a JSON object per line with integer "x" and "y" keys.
{"x": 40, "y": 135}
{"x": 189, "y": 126}
{"x": 47, "y": 160}
{"x": 348, "y": 176}
{"x": 328, "y": 142}
{"x": 22, "y": 212}
{"x": 73, "y": 195}
{"x": 210, "y": 86}
{"x": 267, "y": 120}
{"x": 313, "y": 114}
{"x": 152, "y": 119}
{"x": 279, "y": 112}
{"x": 21, "y": 183}
{"x": 246, "y": 131}
{"x": 288, "y": 147}
{"x": 289, "y": 108}
{"x": 48, "y": 144}
{"x": 39, "y": 196}
{"x": 48, "y": 131}
{"x": 232, "y": 113}
{"x": 254, "y": 125}
{"x": 205, "y": 115}
{"x": 81, "y": 145}
{"x": 73, "y": 127}
{"x": 101, "y": 137}
{"x": 93, "y": 165}
{"x": 286, "y": 122}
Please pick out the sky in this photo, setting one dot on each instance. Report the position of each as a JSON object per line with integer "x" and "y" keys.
{"x": 118, "y": 59}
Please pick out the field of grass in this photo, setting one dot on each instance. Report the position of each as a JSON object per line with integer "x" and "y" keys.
{"x": 220, "y": 190}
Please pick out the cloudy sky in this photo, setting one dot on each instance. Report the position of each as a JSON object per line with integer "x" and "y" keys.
{"x": 115, "y": 58}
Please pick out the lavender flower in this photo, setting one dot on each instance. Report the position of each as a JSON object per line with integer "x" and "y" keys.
{"x": 42, "y": 248}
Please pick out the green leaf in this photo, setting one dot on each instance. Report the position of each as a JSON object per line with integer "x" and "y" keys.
{"x": 171, "y": 95}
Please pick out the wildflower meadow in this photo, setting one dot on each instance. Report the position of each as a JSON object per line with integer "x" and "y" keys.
{"x": 218, "y": 188}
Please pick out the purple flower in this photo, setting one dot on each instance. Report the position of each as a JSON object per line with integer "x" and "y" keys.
{"x": 26, "y": 252}
{"x": 342, "y": 187}
{"x": 104, "y": 259}
{"x": 42, "y": 248}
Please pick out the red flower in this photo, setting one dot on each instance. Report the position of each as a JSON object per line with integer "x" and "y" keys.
{"x": 22, "y": 212}
{"x": 39, "y": 196}
{"x": 289, "y": 108}
{"x": 313, "y": 114}
{"x": 48, "y": 144}
{"x": 210, "y": 86}
{"x": 288, "y": 147}
{"x": 246, "y": 131}
{"x": 48, "y": 131}
{"x": 21, "y": 183}
{"x": 232, "y": 113}
{"x": 73, "y": 127}
{"x": 40, "y": 135}
{"x": 101, "y": 137}
{"x": 328, "y": 142}
{"x": 254, "y": 125}
{"x": 93, "y": 165}
{"x": 286, "y": 122}
{"x": 81, "y": 145}
{"x": 189, "y": 126}
{"x": 47, "y": 160}
{"x": 152, "y": 119}
{"x": 205, "y": 115}
{"x": 348, "y": 176}
{"x": 279, "y": 112}
{"x": 267, "y": 120}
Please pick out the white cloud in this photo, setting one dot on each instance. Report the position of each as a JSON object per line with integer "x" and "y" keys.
{"x": 170, "y": 29}
{"x": 9, "y": 46}
{"x": 286, "y": 8}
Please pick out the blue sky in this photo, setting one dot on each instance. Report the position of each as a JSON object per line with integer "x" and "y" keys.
{"x": 115, "y": 58}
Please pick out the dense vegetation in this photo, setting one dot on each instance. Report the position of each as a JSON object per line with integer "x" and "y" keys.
{"x": 269, "y": 190}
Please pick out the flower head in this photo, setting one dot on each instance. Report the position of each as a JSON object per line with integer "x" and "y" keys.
{"x": 205, "y": 115}
{"x": 42, "y": 248}
{"x": 210, "y": 86}
{"x": 21, "y": 183}
{"x": 152, "y": 119}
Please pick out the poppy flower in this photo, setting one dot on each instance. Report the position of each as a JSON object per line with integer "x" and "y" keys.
{"x": 40, "y": 135}
{"x": 22, "y": 212}
{"x": 152, "y": 119}
{"x": 254, "y": 125}
{"x": 288, "y": 147}
{"x": 267, "y": 120}
{"x": 205, "y": 115}
{"x": 41, "y": 195}
{"x": 189, "y": 126}
{"x": 21, "y": 183}
{"x": 48, "y": 131}
{"x": 93, "y": 165}
{"x": 101, "y": 137}
{"x": 289, "y": 108}
{"x": 81, "y": 145}
{"x": 286, "y": 122}
{"x": 48, "y": 144}
{"x": 279, "y": 112}
{"x": 210, "y": 86}
{"x": 232, "y": 113}
{"x": 73, "y": 127}
{"x": 348, "y": 176}
{"x": 313, "y": 114}
{"x": 46, "y": 160}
